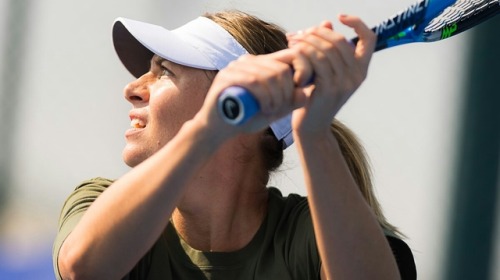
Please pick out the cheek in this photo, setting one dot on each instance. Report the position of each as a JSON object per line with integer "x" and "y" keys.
{"x": 165, "y": 116}
{"x": 170, "y": 109}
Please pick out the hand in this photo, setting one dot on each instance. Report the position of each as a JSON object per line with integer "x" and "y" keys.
{"x": 270, "y": 79}
{"x": 339, "y": 69}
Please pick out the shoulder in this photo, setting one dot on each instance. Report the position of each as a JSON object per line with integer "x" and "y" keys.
{"x": 97, "y": 183}
{"x": 288, "y": 211}
{"x": 290, "y": 220}
{"x": 290, "y": 202}
{"x": 73, "y": 209}
{"x": 91, "y": 187}
{"x": 83, "y": 195}
{"x": 290, "y": 231}
{"x": 404, "y": 257}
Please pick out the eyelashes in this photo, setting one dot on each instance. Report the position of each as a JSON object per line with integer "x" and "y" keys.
{"x": 160, "y": 68}
{"x": 163, "y": 71}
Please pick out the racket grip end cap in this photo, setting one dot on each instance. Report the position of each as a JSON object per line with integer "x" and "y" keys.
{"x": 236, "y": 105}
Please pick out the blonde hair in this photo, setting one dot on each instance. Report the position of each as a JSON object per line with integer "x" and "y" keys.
{"x": 255, "y": 35}
{"x": 357, "y": 161}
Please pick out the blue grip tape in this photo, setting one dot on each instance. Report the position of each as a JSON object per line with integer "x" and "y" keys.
{"x": 236, "y": 104}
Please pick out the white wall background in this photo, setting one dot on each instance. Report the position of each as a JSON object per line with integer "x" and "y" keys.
{"x": 72, "y": 115}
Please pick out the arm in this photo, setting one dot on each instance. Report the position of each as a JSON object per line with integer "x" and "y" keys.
{"x": 350, "y": 241}
{"x": 126, "y": 219}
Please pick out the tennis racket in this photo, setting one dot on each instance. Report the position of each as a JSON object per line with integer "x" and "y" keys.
{"x": 423, "y": 21}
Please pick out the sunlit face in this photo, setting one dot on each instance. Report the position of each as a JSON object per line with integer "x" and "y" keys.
{"x": 162, "y": 100}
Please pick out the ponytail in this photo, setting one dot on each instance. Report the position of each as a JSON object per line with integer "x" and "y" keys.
{"x": 357, "y": 161}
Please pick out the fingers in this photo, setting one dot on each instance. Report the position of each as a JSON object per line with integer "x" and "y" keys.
{"x": 322, "y": 45}
{"x": 325, "y": 48}
{"x": 269, "y": 80}
{"x": 367, "y": 38}
{"x": 329, "y": 55}
{"x": 339, "y": 67}
{"x": 318, "y": 52}
{"x": 302, "y": 72}
{"x": 327, "y": 24}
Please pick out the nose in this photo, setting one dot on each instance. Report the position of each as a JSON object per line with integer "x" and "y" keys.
{"x": 137, "y": 91}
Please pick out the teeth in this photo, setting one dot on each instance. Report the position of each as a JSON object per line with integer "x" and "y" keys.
{"x": 135, "y": 123}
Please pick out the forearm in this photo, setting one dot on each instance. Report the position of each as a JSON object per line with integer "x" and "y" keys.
{"x": 126, "y": 220}
{"x": 350, "y": 241}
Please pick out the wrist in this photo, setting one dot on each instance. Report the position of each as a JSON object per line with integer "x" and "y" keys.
{"x": 321, "y": 141}
{"x": 210, "y": 133}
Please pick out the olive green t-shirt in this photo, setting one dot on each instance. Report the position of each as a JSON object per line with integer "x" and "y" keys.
{"x": 284, "y": 247}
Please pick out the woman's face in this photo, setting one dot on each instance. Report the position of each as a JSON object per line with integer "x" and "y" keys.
{"x": 162, "y": 100}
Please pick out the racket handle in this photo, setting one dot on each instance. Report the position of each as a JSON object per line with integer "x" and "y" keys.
{"x": 236, "y": 104}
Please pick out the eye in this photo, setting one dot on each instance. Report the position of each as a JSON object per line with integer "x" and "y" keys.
{"x": 161, "y": 68}
{"x": 164, "y": 72}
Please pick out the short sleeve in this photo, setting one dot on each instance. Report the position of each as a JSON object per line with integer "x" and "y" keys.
{"x": 302, "y": 256}
{"x": 73, "y": 209}
{"x": 404, "y": 258}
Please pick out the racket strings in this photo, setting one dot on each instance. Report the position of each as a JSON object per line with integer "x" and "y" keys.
{"x": 461, "y": 10}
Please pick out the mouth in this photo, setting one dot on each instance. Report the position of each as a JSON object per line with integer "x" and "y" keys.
{"x": 136, "y": 126}
{"x": 138, "y": 119}
{"x": 137, "y": 123}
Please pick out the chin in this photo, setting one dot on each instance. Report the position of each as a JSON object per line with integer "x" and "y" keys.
{"x": 133, "y": 156}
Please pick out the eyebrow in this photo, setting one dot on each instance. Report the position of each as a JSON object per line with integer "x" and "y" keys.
{"x": 156, "y": 59}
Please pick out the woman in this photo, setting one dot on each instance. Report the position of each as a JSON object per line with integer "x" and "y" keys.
{"x": 195, "y": 205}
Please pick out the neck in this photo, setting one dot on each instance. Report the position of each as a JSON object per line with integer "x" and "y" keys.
{"x": 225, "y": 204}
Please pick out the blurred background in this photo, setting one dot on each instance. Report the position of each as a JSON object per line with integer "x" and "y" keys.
{"x": 427, "y": 115}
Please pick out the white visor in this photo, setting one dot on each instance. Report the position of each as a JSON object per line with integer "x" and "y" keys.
{"x": 200, "y": 43}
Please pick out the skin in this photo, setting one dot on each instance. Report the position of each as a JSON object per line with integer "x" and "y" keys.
{"x": 333, "y": 196}
{"x": 164, "y": 99}
{"x": 200, "y": 178}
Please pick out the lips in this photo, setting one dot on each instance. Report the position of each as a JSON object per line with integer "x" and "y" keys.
{"x": 137, "y": 120}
